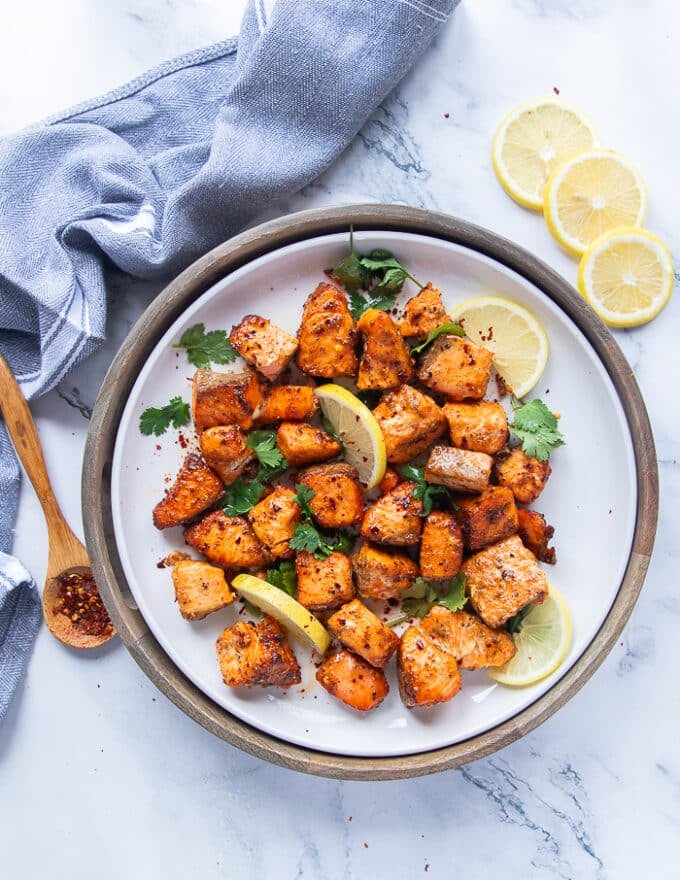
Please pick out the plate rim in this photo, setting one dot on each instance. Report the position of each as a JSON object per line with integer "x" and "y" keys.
{"x": 108, "y": 408}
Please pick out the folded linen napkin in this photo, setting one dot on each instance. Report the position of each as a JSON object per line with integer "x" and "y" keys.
{"x": 155, "y": 174}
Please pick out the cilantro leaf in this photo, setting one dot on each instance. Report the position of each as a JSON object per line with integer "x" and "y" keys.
{"x": 303, "y": 495}
{"x": 448, "y": 328}
{"x": 283, "y": 576}
{"x": 205, "y": 348}
{"x": 455, "y": 599}
{"x": 268, "y": 453}
{"x": 350, "y": 273}
{"x": 306, "y": 537}
{"x": 330, "y": 430}
{"x": 393, "y": 273}
{"x": 425, "y": 492}
{"x": 419, "y": 598}
{"x": 535, "y": 426}
{"x": 157, "y": 420}
{"x": 514, "y": 624}
{"x": 241, "y": 496}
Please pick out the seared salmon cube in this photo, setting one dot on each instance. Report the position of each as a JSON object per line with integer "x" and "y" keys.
{"x": 395, "y": 518}
{"x": 423, "y": 313}
{"x": 225, "y": 448}
{"x": 257, "y": 654}
{"x": 410, "y": 422}
{"x": 263, "y": 345}
{"x": 456, "y": 367}
{"x": 390, "y": 480}
{"x": 441, "y": 547}
{"x": 386, "y": 361}
{"x": 363, "y": 632}
{"x": 323, "y": 584}
{"x": 474, "y": 644}
{"x": 488, "y": 517}
{"x": 227, "y": 540}
{"x": 303, "y": 444}
{"x": 458, "y": 469}
{"x": 290, "y": 403}
{"x": 382, "y": 574}
{"x": 502, "y": 579}
{"x": 536, "y": 534}
{"x": 225, "y": 399}
{"x": 200, "y": 588}
{"x": 524, "y": 475}
{"x": 195, "y": 488}
{"x": 274, "y": 519}
{"x": 327, "y": 337}
{"x": 354, "y": 681}
{"x": 338, "y": 497}
{"x": 428, "y": 673}
{"x": 481, "y": 427}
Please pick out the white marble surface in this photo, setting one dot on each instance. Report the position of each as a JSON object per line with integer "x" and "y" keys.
{"x": 97, "y": 767}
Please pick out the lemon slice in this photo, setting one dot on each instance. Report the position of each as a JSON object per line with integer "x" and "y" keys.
{"x": 626, "y": 276}
{"x": 591, "y": 194}
{"x": 358, "y": 429}
{"x": 289, "y": 613}
{"x": 542, "y": 643}
{"x": 532, "y": 140}
{"x": 518, "y": 341}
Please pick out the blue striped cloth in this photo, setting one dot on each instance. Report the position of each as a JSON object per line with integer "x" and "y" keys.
{"x": 156, "y": 173}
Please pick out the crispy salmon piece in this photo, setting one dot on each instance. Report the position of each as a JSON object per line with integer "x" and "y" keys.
{"x": 525, "y": 476}
{"x": 225, "y": 399}
{"x": 323, "y": 584}
{"x": 195, "y": 489}
{"x": 410, "y": 421}
{"x": 488, "y": 517}
{"x": 225, "y": 448}
{"x": 363, "y": 632}
{"x": 390, "y": 481}
{"x": 381, "y": 574}
{"x": 353, "y": 680}
{"x": 502, "y": 579}
{"x": 227, "y": 540}
{"x": 290, "y": 403}
{"x": 481, "y": 427}
{"x": 327, "y": 337}
{"x": 474, "y": 644}
{"x": 274, "y": 519}
{"x": 456, "y": 367}
{"x": 458, "y": 469}
{"x": 257, "y": 654}
{"x": 303, "y": 444}
{"x": 338, "y": 497}
{"x": 395, "y": 518}
{"x": 536, "y": 534}
{"x": 200, "y": 588}
{"x": 423, "y": 313}
{"x": 386, "y": 361}
{"x": 263, "y": 345}
{"x": 441, "y": 547}
{"x": 428, "y": 674}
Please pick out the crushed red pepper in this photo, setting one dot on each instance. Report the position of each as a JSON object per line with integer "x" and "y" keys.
{"x": 78, "y": 599}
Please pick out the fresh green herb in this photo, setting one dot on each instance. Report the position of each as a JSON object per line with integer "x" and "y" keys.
{"x": 455, "y": 598}
{"x": 424, "y": 491}
{"x": 241, "y": 496}
{"x": 448, "y": 328}
{"x": 251, "y": 609}
{"x": 205, "y": 348}
{"x": 329, "y": 429}
{"x": 422, "y": 595}
{"x": 283, "y": 577}
{"x": 358, "y": 303}
{"x": 393, "y": 273}
{"x": 349, "y": 272}
{"x": 157, "y": 421}
{"x": 303, "y": 495}
{"x": 514, "y": 624}
{"x": 536, "y": 427}
{"x": 268, "y": 453}
{"x": 306, "y": 535}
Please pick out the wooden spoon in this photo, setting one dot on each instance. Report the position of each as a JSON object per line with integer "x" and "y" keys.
{"x": 67, "y": 556}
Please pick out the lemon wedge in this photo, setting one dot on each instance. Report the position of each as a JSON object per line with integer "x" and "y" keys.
{"x": 289, "y": 613}
{"x": 358, "y": 429}
{"x": 627, "y": 276}
{"x": 517, "y": 340}
{"x": 591, "y": 194}
{"x": 532, "y": 140}
{"x": 542, "y": 643}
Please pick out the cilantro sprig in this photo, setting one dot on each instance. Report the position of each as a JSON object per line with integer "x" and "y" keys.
{"x": 306, "y": 535}
{"x": 514, "y": 624}
{"x": 422, "y": 595}
{"x": 283, "y": 576}
{"x": 424, "y": 491}
{"x": 535, "y": 426}
{"x": 449, "y": 328}
{"x": 243, "y": 494}
{"x": 263, "y": 443}
{"x": 157, "y": 420}
{"x": 208, "y": 348}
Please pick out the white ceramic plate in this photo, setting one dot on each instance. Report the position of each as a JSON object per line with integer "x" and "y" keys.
{"x": 590, "y": 498}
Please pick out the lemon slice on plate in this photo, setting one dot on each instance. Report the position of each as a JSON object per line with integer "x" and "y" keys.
{"x": 591, "y": 194}
{"x": 517, "y": 340}
{"x": 532, "y": 140}
{"x": 358, "y": 429}
{"x": 289, "y": 613}
{"x": 542, "y": 643}
{"x": 627, "y": 276}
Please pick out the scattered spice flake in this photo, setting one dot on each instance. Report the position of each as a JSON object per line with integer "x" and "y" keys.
{"x": 556, "y": 90}
{"x": 446, "y": 115}
{"x": 365, "y": 845}
{"x": 158, "y": 447}
{"x": 349, "y": 818}
{"x": 78, "y": 599}
{"x": 182, "y": 440}
{"x": 501, "y": 385}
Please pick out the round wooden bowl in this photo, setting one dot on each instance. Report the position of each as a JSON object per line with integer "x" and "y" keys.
{"x": 115, "y": 390}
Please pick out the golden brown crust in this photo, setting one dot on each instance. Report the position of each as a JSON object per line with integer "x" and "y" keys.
{"x": 227, "y": 540}
{"x": 290, "y": 403}
{"x": 353, "y": 680}
{"x": 382, "y": 574}
{"x": 386, "y": 361}
{"x": 441, "y": 547}
{"x": 458, "y": 469}
{"x": 488, "y": 517}
{"x": 195, "y": 488}
{"x": 200, "y": 588}
{"x": 274, "y": 519}
{"x": 225, "y": 399}
{"x": 303, "y": 444}
{"x": 390, "y": 480}
{"x": 262, "y": 344}
{"x": 481, "y": 427}
{"x": 410, "y": 421}
{"x": 257, "y": 654}
{"x": 327, "y": 337}
{"x": 456, "y": 367}
{"x": 423, "y": 313}
{"x": 338, "y": 498}
{"x": 363, "y": 632}
{"x": 472, "y": 643}
{"x": 225, "y": 448}
{"x": 428, "y": 674}
{"x": 536, "y": 534}
{"x": 395, "y": 518}
{"x": 323, "y": 584}
{"x": 525, "y": 476}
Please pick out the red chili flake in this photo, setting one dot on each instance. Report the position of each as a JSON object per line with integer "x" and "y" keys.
{"x": 446, "y": 115}
{"x": 556, "y": 90}
{"x": 78, "y": 599}
{"x": 183, "y": 442}
{"x": 158, "y": 447}
{"x": 161, "y": 564}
